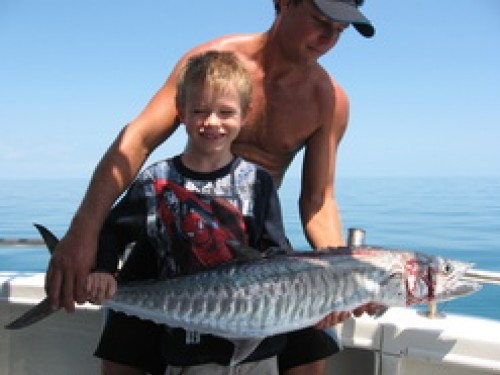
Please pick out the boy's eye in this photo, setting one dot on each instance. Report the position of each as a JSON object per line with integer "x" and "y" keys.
{"x": 223, "y": 112}
{"x": 199, "y": 111}
{"x": 228, "y": 113}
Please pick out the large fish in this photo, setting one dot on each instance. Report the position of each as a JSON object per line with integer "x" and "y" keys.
{"x": 246, "y": 301}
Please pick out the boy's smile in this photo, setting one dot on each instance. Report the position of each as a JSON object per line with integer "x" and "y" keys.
{"x": 210, "y": 133}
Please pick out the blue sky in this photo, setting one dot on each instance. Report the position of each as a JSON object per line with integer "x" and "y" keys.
{"x": 424, "y": 92}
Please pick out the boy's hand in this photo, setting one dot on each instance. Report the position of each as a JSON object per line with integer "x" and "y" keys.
{"x": 100, "y": 286}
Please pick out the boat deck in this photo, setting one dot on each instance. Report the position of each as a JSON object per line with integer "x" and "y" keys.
{"x": 401, "y": 342}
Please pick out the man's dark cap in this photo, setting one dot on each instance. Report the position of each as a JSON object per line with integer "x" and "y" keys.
{"x": 346, "y": 11}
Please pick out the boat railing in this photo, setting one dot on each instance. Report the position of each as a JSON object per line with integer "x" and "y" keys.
{"x": 356, "y": 237}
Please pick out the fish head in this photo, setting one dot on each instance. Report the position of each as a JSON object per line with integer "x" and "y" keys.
{"x": 429, "y": 278}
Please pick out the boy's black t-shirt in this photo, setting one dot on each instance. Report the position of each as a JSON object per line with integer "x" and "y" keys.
{"x": 180, "y": 221}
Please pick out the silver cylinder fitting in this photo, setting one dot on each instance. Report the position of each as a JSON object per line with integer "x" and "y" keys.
{"x": 356, "y": 237}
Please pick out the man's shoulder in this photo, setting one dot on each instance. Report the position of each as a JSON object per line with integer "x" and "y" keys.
{"x": 324, "y": 82}
{"x": 238, "y": 43}
{"x": 327, "y": 91}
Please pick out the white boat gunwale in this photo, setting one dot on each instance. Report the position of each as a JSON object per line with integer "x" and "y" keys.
{"x": 401, "y": 342}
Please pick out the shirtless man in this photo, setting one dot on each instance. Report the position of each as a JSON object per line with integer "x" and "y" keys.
{"x": 295, "y": 105}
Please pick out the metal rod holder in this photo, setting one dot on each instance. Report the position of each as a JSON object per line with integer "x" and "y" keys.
{"x": 356, "y": 237}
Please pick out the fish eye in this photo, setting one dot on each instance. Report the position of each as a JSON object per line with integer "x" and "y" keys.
{"x": 447, "y": 268}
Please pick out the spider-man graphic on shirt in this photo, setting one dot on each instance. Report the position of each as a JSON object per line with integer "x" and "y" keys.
{"x": 198, "y": 233}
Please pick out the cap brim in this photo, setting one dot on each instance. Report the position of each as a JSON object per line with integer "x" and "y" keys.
{"x": 347, "y": 13}
{"x": 365, "y": 29}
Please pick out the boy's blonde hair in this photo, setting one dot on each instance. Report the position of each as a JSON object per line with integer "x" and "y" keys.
{"x": 217, "y": 70}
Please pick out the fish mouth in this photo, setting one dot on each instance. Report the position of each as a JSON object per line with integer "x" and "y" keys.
{"x": 462, "y": 288}
{"x": 460, "y": 285}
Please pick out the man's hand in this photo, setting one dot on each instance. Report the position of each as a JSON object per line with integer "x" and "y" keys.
{"x": 370, "y": 308}
{"x": 338, "y": 317}
{"x": 333, "y": 319}
{"x": 68, "y": 269}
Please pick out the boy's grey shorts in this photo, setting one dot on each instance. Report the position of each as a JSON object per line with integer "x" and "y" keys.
{"x": 268, "y": 366}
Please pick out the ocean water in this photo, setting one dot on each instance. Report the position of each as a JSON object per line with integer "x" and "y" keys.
{"x": 454, "y": 217}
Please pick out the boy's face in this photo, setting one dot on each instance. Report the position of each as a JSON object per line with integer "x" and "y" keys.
{"x": 212, "y": 118}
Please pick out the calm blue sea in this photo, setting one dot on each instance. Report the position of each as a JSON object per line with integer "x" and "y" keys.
{"x": 454, "y": 217}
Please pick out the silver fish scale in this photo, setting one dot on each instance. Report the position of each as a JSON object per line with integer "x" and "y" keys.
{"x": 256, "y": 299}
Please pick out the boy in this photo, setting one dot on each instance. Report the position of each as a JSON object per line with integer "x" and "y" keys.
{"x": 172, "y": 210}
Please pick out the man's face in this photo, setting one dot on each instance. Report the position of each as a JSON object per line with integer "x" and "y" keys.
{"x": 310, "y": 33}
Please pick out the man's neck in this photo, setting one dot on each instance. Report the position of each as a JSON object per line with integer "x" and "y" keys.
{"x": 276, "y": 65}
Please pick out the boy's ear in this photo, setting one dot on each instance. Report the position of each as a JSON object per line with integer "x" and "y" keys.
{"x": 180, "y": 112}
{"x": 181, "y": 117}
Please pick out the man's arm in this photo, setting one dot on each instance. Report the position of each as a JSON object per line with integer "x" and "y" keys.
{"x": 75, "y": 253}
{"x": 318, "y": 209}
{"x": 319, "y": 212}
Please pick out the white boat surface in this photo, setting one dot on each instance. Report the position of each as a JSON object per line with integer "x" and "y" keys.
{"x": 401, "y": 342}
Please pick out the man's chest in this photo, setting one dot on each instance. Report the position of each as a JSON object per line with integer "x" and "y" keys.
{"x": 279, "y": 125}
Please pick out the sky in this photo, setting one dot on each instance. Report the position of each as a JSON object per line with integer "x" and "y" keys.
{"x": 424, "y": 92}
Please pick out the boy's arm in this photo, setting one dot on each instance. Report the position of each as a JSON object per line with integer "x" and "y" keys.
{"x": 273, "y": 238}
{"x": 125, "y": 224}
{"x": 100, "y": 287}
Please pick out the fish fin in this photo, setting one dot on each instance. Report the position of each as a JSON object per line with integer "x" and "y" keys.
{"x": 242, "y": 349}
{"x": 243, "y": 252}
{"x": 49, "y": 238}
{"x": 33, "y": 315}
{"x": 44, "y": 308}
